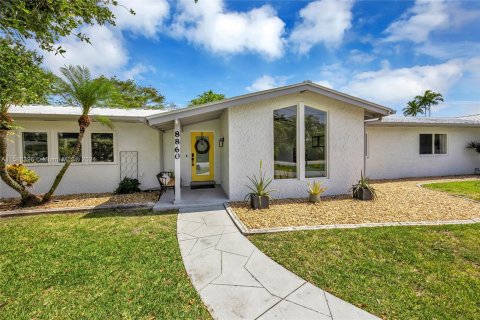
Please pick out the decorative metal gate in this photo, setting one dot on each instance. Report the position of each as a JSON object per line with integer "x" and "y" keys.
{"x": 128, "y": 164}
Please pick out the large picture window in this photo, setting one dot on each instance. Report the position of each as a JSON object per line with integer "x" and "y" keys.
{"x": 285, "y": 143}
{"x": 102, "y": 147}
{"x": 433, "y": 143}
{"x": 66, "y": 145}
{"x": 35, "y": 147}
{"x": 315, "y": 151}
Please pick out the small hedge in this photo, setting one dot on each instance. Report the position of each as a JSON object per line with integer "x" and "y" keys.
{"x": 128, "y": 185}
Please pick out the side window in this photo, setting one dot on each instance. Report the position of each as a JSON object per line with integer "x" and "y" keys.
{"x": 35, "y": 147}
{"x": 285, "y": 143}
{"x": 433, "y": 143}
{"x": 426, "y": 146}
{"x": 440, "y": 144}
{"x": 315, "y": 138}
{"x": 102, "y": 147}
{"x": 66, "y": 144}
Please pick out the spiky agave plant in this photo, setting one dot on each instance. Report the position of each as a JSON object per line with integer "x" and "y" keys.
{"x": 475, "y": 145}
{"x": 259, "y": 184}
{"x": 316, "y": 188}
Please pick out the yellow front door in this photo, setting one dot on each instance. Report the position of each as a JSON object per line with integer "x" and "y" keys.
{"x": 202, "y": 150}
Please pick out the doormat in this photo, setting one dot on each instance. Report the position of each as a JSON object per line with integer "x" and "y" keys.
{"x": 202, "y": 185}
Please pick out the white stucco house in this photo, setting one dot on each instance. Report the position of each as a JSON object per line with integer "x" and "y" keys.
{"x": 300, "y": 132}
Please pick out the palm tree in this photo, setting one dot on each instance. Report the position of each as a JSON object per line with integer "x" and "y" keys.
{"x": 413, "y": 108}
{"x": 429, "y": 99}
{"x": 79, "y": 89}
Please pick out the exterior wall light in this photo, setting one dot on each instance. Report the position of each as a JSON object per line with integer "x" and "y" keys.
{"x": 220, "y": 142}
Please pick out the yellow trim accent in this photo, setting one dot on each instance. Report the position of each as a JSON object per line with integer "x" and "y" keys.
{"x": 211, "y": 156}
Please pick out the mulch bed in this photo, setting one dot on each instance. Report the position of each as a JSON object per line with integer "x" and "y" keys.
{"x": 84, "y": 200}
{"x": 397, "y": 201}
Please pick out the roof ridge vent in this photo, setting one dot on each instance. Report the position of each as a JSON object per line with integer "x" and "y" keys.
{"x": 307, "y": 81}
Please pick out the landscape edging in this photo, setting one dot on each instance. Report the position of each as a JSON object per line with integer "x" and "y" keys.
{"x": 246, "y": 231}
{"x": 28, "y": 212}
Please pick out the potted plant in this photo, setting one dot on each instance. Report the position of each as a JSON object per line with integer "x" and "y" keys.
{"x": 315, "y": 191}
{"x": 363, "y": 190}
{"x": 259, "y": 195}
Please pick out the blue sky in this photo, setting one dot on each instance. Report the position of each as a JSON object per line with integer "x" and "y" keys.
{"x": 383, "y": 51}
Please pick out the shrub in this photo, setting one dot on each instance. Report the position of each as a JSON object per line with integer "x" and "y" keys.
{"x": 128, "y": 185}
{"x": 316, "y": 188}
{"x": 22, "y": 175}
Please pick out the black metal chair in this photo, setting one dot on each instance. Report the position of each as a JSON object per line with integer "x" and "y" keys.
{"x": 164, "y": 184}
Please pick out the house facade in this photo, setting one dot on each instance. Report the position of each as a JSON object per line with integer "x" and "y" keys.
{"x": 300, "y": 133}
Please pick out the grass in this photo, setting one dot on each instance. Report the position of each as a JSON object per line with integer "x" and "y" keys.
{"x": 392, "y": 272}
{"x": 469, "y": 189}
{"x": 103, "y": 265}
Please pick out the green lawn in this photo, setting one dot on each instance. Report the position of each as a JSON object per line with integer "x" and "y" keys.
{"x": 470, "y": 189}
{"x": 393, "y": 272}
{"x": 105, "y": 265}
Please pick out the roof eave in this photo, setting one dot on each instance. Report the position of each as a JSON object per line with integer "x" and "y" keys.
{"x": 375, "y": 109}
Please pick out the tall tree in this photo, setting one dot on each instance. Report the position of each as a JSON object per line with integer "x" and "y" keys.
{"x": 129, "y": 94}
{"x": 206, "y": 97}
{"x": 78, "y": 88}
{"x": 46, "y": 21}
{"x": 22, "y": 80}
{"x": 413, "y": 108}
{"x": 429, "y": 99}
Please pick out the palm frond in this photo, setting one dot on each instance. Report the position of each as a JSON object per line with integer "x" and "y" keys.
{"x": 104, "y": 121}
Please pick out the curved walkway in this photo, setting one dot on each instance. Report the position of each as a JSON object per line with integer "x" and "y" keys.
{"x": 237, "y": 281}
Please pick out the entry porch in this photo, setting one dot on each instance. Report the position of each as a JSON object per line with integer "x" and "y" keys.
{"x": 192, "y": 198}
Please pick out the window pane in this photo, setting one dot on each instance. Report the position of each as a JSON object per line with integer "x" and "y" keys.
{"x": 285, "y": 143}
{"x": 440, "y": 144}
{"x": 315, "y": 151}
{"x": 102, "y": 147}
{"x": 426, "y": 144}
{"x": 66, "y": 144}
{"x": 35, "y": 147}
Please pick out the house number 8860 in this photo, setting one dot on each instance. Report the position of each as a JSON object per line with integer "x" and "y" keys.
{"x": 177, "y": 143}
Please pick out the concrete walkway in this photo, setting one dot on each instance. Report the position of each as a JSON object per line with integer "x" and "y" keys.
{"x": 237, "y": 281}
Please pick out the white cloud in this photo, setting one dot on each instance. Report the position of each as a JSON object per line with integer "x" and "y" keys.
{"x": 137, "y": 71}
{"x": 104, "y": 55}
{"x": 419, "y": 21}
{"x": 397, "y": 86}
{"x": 323, "y": 21}
{"x": 266, "y": 82}
{"x": 325, "y": 83}
{"x": 450, "y": 50}
{"x": 107, "y": 53}
{"x": 148, "y": 19}
{"x": 358, "y": 57}
{"x": 211, "y": 25}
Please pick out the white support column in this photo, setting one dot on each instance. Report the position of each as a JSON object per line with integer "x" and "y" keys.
{"x": 177, "y": 132}
{"x": 301, "y": 140}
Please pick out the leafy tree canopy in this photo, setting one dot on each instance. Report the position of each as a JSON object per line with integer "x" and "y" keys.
{"x": 22, "y": 79}
{"x": 46, "y": 21}
{"x": 206, "y": 97}
{"x": 129, "y": 94}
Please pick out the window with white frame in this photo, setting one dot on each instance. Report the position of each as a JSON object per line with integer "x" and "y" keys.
{"x": 66, "y": 145}
{"x": 432, "y": 143}
{"x": 315, "y": 147}
{"x": 102, "y": 147}
{"x": 35, "y": 147}
{"x": 285, "y": 143}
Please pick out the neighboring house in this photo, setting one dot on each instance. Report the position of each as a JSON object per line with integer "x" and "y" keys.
{"x": 300, "y": 132}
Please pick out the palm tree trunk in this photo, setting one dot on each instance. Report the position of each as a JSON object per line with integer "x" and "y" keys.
{"x": 83, "y": 126}
{"x": 27, "y": 197}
